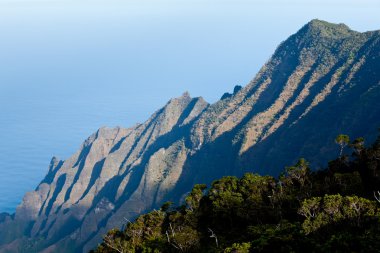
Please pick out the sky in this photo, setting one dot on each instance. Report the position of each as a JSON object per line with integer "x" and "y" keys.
{"x": 69, "y": 67}
{"x": 156, "y": 49}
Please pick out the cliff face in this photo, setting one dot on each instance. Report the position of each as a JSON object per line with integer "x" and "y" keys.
{"x": 322, "y": 81}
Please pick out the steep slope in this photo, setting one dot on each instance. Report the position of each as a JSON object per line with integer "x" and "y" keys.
{"x": 78, "y": 196}
{"x": 323, "y": 80}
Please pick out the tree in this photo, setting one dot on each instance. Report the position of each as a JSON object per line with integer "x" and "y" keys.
{"x": 225, "y": 200}
{"x": 193, "y": 199}
{"x": 342, "y": 140}
{"x": 358, "y": 145}
{"x": 333, "y": 209}
{"x": 300, "y": 172}
{"x": 166, "y": 206}
{"x": 183, "y": 238}
{"x": 115, "y": 241}
{"x": 238, "y": 248}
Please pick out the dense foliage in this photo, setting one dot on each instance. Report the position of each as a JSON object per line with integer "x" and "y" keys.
{"x": 332, "y": 210}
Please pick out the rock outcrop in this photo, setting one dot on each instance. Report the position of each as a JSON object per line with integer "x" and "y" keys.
{"x": 322, "y": 81}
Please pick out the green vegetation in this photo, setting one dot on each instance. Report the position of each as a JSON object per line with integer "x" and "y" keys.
{"x": 332, "y": 210}
{"x": 342, "y": 140}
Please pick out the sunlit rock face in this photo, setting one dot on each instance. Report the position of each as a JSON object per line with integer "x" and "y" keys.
{"x": 322, "y": 81}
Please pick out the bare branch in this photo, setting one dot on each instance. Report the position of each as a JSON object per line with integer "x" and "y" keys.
{"x": 171, "y": 228}
{"x": 213, "y": 235}
{"x": 377, "y": 195}
{"x": 111, "y": 244}
{"x": 127, "y": 220}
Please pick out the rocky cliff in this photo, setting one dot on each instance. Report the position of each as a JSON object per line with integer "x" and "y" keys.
{"x": 322, "y": 81}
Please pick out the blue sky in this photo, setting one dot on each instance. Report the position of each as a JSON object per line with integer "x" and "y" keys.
{"x": 156, "y": 49}
{"x": 69, "y": 67}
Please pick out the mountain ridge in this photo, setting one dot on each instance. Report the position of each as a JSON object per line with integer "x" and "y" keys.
{"x": 321, "y": 81}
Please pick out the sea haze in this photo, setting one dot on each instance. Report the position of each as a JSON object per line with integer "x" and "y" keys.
{"x": 68, "y": 68}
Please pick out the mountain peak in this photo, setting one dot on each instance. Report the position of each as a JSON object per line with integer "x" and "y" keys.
{"x": 186, "y": 95}
{"x": 321, "y": 28}
{"x": 322, "y": 23}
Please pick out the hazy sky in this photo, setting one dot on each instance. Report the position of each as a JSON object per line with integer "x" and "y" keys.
{"x": 68, "y": 67}
{"x": 155, "y": 49}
